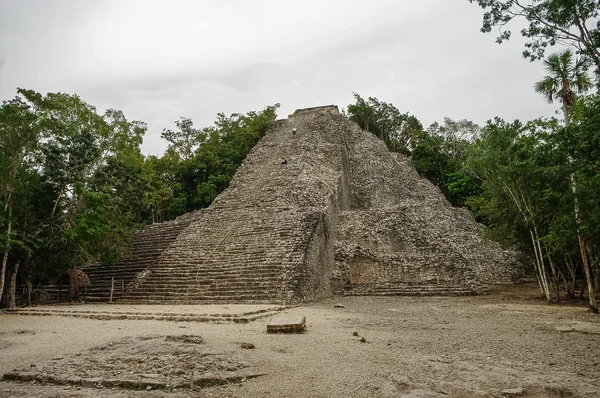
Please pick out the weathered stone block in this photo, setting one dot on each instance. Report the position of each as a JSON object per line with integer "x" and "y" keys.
{"x": 286, "y": 324}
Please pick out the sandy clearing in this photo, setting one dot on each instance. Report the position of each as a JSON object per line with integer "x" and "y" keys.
{"x": 416, "y": 347}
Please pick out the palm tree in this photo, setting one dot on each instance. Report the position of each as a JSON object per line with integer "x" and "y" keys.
{"x": 566, "y": 78}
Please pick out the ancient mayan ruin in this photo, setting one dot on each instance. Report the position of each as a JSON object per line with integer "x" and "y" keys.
{"x": 343, "y": 215}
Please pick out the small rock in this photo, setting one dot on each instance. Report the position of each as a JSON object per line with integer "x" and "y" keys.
{"x": 338, "y": 305}
{"x": 248, "y": 346}
{"x": 513, "y": 392}
{"x": 355, "y": 334}
{"x": 149, "y": 388}
{"x": 363, "y": 340}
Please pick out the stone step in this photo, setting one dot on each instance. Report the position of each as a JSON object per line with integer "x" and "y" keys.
{"x": 208, "y": 273}
{"x": 216, "y": 271}
{"x": 203, "y": 295}
{"x": 248, "y": 294}
{"x": 178, "y": 279}
{"x": 213, "y": 318}
{"x": 154, "y": 301}
{"x": 409, "y": 290}
{"x": 128, "y": 274}
{"x": 120, "y": 268}
{"x": 208, "y": 283}
{"x": 412, "y": 293}
{"x": 201, "y": 288}
{"x": 199, "y": 300}
{"x": 204, "y": 280}
{"x": 412, "y": 287}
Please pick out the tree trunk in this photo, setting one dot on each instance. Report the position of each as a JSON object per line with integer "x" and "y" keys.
{"x": 5, "y": 257}
{"x": 539, "y": 281}
{"x": 572, "y": 268}
{"x": 73, "y": 285}
{"x": 595, "y": 267}
{"x": 3, "y": 273}
{"x": 543, "y": 279}
{"x": 542, "y": 266}
{"x": 12, "y": 289}
{"x": 586, "y": 267}
{"x": 582, "y": 248}
{"x": 588, "y": 276}
{"x": 565, "y": 282}
{"x": 555, "y": 276}
{"x": 29, "y": 289}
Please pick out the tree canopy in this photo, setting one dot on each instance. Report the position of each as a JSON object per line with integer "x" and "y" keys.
{"x": 74, "y": 185}
{"x": 571, "y": 23}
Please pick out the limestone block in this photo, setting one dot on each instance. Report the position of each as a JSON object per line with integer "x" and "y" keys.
{"x": 286, "y": 324}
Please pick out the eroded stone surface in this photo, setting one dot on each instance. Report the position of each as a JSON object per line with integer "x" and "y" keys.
{"x": 179, "y": 361}
{"x": 286, "y": 324}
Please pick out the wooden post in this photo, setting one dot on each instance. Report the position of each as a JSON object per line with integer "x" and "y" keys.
{"x": 112, "y": 288}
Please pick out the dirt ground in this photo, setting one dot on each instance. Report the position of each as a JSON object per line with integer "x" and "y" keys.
{"x": 415, "y": 347}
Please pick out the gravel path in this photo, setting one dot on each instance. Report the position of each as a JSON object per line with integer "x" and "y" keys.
{"x": 415, "y": 347}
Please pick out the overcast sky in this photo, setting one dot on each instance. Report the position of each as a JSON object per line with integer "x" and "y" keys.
{"x": 160, "y": 60}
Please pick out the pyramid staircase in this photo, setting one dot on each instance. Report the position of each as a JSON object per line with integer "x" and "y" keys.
{"x": 228, "y": 281}
{"x": 244, "y": 247}
{"x": 147, "y": 245}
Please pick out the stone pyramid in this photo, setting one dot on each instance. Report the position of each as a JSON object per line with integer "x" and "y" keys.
{"x": 342, "y": 215}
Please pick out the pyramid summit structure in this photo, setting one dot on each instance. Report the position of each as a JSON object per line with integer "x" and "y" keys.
{"x": 341, "y": 215}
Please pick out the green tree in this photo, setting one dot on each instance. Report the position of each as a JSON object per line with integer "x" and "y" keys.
{"x": 514, "y": 182}
{"x": 527, "y": 196}
{"x": 186, "y": 139}
{"x": 570, "y": 23}
{"x": 399, "y": 131}
{"x": 566, "y": 78}
{"x": 440, "y": 153}
{"x": 18, "y": 141}
{"x": 78, "y": 147}
{"x": 579, "y": 140}
{"x": 199, "y": 163}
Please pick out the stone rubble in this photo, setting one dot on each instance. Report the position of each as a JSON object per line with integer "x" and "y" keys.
{"x": 155, "y": 362}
